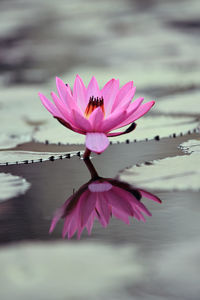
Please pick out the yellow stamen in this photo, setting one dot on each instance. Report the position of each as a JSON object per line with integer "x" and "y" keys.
{"x": 93, "y": 104}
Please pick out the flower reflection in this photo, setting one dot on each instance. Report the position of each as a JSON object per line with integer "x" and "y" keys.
{"x": 101, "y": 198}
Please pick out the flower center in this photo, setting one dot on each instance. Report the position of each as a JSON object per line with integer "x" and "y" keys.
{"x": 93, "y": 104}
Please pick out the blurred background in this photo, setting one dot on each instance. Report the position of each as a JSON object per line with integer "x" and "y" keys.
{"x": 154, "y": 43}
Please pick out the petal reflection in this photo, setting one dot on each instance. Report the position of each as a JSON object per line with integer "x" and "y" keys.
{"x": 100, "y": 199}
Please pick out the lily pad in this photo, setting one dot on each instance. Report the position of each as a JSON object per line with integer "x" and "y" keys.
{"x": 30, "y": 265}
{"x": 21, "y": 157}
{"x": 12, "y": 186}
{"x": 171, "y": 173}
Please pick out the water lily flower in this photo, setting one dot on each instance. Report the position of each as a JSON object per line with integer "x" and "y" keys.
{"x": 96, "y": 112}
{"x": 101, "y": 198}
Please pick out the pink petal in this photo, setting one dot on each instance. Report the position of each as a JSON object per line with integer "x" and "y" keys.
{"x": 118, "y": 202}
{"x": 59, "y": 214}
{"x": 63, "y": 110}
{"x": 134, "y": 106}
{"x": 49, "y": 106}
{"x": 134, "y": 114}
{"x": 63, "y": 92}
{"x": 96, "y": 119}
{"x": 72, "y": 227}
{"x": 66, "y": 96}
{"x": 122, "y": 93}
{"x": 96, "y": 141}
{"x": 124, "y": 194}
{"x": 93, "y": 89}
{"x": 142, "y": 110}
{"x": 113, "y": 120}
{"x": 69, "y": 126}
{"x": 56, "y": 218}
{"x": 66, "y": 225}
{"x": 60, "y": 85}
{"x": 131, "y": 199}
{"x": 87, "y": 205}
{"x": 126, "y": 100}
{"x": 79, "y": 93}
{"x": 124, "y": 106}
{"x": 120, "y": 215}
{"x": 131, "y": 109}
{"x": 69, "y": 90}
{"x": 90, "y": 223}
{"x": 103, "y": 208}
{"x": 71, "y": 222}
{"x": 134, "y": 202}
{"x": 81, "y": 122}
{"x": 143, "y": 209}
{"x": 138, "y": 215}
{"x": 80, "y": 230}
{"x": 109, "y": 93}
{"x": 148, "y": 195}
{"x": 53, "y": 224}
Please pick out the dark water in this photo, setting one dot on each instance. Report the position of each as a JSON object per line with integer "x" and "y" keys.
{"x": 168, "y": 242}
{"x": 29, "y": 216}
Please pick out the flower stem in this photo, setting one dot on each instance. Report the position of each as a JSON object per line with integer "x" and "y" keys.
{"x": 91, "y": 168}
{"x": 86, "y": 153}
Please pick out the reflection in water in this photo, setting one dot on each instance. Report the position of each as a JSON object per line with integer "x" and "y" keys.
{"x": 101, "y": 198}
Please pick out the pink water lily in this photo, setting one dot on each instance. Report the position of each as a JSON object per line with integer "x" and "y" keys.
{"x": 96, "y": 112}
{"x": 101, "y": 198}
